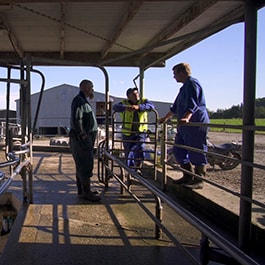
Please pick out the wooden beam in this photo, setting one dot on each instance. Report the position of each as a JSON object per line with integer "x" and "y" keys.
{"x": 12, "y": 38}
{"x": 62, "y": 37}
{"x": 237, "y": 15}
{"x": 179, "y": 22}
{"x": 127, "y": 17}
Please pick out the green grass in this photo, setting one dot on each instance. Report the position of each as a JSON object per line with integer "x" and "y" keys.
{"x": 234, "y": 122}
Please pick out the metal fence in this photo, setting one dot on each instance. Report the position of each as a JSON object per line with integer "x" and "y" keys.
{"x": 111, "y": 164}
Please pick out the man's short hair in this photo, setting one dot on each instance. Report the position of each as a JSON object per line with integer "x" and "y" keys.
{"x": 182, "y": 67}
{"x": 131, "y": 90}
{"x": 85, "y": 82}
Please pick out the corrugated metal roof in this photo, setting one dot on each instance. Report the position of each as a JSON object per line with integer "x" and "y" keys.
{"x": 119, "y": 33}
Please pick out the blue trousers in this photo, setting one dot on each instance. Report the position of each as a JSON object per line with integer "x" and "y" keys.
{"x": 194, "y": 137}
{"x": 134, "y": 149}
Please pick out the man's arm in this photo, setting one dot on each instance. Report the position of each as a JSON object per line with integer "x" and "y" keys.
{"x": 119, "y": 107}
{"x": 146, "y": 105}
{"x": 168, "y": 116}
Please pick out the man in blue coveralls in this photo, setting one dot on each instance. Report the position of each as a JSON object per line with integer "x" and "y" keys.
{"x": 189, "y": 106}
{"x": 134, "y": 128}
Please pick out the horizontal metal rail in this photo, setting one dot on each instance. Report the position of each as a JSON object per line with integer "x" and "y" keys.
{"x": 148, "y": 212}
{"x": 237, "y": 194}
{"x": 215, "y": 237}
{"x": 18, "y": 162}
{"x": 249, "y": 164}
{"x": 16, "y": 172}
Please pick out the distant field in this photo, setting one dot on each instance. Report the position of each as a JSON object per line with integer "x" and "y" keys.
{"x": 237, "y": 122}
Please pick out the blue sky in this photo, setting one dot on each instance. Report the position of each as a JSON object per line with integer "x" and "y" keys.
{"x": 216, "y": 62}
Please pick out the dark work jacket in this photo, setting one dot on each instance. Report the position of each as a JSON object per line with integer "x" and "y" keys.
{"x": 83, "y": 119}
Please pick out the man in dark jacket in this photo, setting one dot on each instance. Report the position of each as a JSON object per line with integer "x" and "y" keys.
{"x": 82, "y": 138}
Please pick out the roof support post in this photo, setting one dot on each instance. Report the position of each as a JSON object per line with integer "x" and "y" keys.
{"x": 141, "y": 81}
{"x": 8, "y": 141}
{"x": 28, "y": 94}
{"x": 107, "y": 105}
{"x": 248, "y": 120}
{"x": 22, "y": 104}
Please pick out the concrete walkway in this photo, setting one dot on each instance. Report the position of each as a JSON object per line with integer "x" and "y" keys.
{"x": 61, "y": 228}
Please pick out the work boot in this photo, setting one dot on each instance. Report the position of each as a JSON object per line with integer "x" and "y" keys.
{"x": 186, "y": 177}
{"x": 87, "y": 193}
{"x": 196, "y": 183}
{"x": 90, "y": 196}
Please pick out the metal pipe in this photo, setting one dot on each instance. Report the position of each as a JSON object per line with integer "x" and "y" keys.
{"x": 8, "y": 140}
{"x": 28, "y": 97}
{"x": 141, "y": 82}
{"x": 156, "y": 218}
{"x": 163, "y": 156}
{"x": 107, "y": 104}
{"x": 248, "y": 120}
{"x": 17, "y": 170}
{"x": 40, "y": 98}
{"x": 215, "y": 237}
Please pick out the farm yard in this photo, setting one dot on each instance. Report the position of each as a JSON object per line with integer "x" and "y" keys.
{"x": 231, "y": 178}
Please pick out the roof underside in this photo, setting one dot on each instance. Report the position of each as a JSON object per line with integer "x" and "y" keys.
{"x": 109, "y": 33}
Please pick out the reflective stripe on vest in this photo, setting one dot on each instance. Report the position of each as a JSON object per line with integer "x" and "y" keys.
{"x": 127, "y": 119}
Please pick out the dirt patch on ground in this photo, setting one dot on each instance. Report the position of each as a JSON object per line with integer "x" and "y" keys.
{"x": 232, "y": 178}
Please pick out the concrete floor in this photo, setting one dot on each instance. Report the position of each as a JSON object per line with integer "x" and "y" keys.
{"x": 61, "y": 228}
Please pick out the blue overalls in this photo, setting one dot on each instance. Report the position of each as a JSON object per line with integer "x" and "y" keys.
{"x": 191, "y": 98}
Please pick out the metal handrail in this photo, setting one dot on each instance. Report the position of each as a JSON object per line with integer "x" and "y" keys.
{"x": 243, "y": 218}
{"x": 156, "y": 218}
{"x": 215, "y": 237}
{"x": 254, "y": 165}
{"x": 207, "y": 232}
{"x": 16, "y": 172}
{"x": 152, "y": 120}
{"x": 18, "y": 161}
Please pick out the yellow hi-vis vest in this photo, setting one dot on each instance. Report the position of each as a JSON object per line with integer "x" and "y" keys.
{"x": 127, "y": 119}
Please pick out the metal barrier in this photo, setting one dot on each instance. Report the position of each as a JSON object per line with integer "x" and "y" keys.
{"x": 164, "y": 147}
{"x": 207, "y": 232}
{"x": 19, "y": 164}
{"x": 151, "y": 141}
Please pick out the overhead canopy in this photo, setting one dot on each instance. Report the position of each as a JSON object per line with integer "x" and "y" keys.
{"x": 109, "y": 33}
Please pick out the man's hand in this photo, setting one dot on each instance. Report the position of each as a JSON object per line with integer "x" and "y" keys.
{"x": 183, "y": 121}
{"x": 83, "y": 136}
{"x": 132, "y": 108}
{"x": 163, "y": 120}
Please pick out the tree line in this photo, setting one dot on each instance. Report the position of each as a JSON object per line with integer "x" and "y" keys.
{"x": 236, "y": 111}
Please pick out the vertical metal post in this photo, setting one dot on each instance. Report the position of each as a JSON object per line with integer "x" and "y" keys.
{"x": 141, "y": 82}
{"x": 22, "y": 105}
{"x": 107, "y": 116}
{"x": 163, "y": 156}
{"x": 28, "y": 105}
{"x": 8, "y": 140}
{"x": 107, "y": 105}
{"x": 248, "y": 119}
{"x": 159, "y": 209}
{"x": 30, "y": 174}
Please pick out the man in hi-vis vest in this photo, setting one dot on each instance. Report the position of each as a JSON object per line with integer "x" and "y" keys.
{"x": 134, "y": 126}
